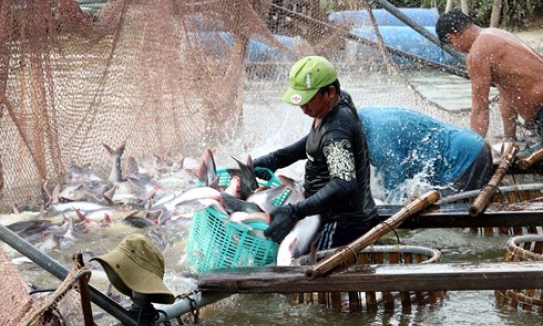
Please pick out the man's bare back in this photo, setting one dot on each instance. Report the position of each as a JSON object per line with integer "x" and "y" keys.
{"x": 497, "y": 57}
{"x": 515, "y": 68}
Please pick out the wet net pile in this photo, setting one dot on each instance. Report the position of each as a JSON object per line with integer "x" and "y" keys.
{"x": 61, "y": 307}
{"x": 170, "y": 78}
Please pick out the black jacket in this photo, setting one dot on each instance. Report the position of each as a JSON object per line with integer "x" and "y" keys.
{"x": 337, "y": 172}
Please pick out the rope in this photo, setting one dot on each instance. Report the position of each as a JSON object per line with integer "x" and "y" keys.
{"x": 68, "y": 283}
{"x": 195, "y": 311}
{"x": 355, "y": 254}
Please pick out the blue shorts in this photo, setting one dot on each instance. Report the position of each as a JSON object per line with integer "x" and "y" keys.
{"x": 476, "y": 175}
{"x": 339, "y": 233}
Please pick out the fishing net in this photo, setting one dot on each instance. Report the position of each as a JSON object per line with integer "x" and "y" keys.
{"x": 19, "y": 307}
{"x": 15, "y": 299}
{"x": 170, "y": 78}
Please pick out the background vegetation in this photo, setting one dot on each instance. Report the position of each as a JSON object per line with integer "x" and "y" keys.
{"x": 515, "y": 13}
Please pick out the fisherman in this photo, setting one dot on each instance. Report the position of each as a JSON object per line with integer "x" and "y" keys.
{"x": 497, "y": 57}
{"x": 136, "y": 268}
{"x": 337, "y": 171}
{"x": 404, "y": 143}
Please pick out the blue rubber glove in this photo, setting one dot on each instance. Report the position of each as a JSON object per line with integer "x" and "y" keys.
{"x": 283, "y": 220}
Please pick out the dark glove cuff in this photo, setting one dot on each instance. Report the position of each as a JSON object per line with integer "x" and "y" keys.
{"x": 294, "y": 209}
{"x": 268, "y": 161}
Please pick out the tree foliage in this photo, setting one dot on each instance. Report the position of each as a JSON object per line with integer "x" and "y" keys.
{"x": 514, "y": 13}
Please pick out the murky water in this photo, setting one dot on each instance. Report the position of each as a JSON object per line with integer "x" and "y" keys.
{"x": 459, "y": 307}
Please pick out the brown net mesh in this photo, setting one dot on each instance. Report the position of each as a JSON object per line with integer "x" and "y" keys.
{"x": 167, "y": 76}
{"x": 19, "y": 307}
{"x": 15, "y": 299}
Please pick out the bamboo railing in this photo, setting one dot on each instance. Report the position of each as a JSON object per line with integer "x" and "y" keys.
{"x": 348, "y": 253}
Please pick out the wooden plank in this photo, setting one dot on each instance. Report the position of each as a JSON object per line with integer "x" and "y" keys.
{"x": 355, "y": 306}
{"x": 391, "y": 277}
{"x": 371, "y": 301}
{"x": 457, "y": 216}
{"x": 336, "y": 301}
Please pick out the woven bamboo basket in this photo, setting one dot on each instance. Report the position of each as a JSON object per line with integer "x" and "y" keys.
{"x": 358, "y": 302}
{"x": 532, "y": 192}
{"x": 523, "y": 248}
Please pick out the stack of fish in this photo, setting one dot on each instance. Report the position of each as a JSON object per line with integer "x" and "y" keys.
{"x": 244, "y": 200}
{"x": 85, "y": 201}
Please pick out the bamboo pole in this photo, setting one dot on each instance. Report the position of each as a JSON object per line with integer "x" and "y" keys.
{"x": 84, "y": 291}
{"x": 351, "y": 250}
{"x": 449, "y": 6}
{"x": 464, "y": 6}
{"x": 496, "y": 13}
{"x": 481, "y": 202}
{"x": 527, "y": 162}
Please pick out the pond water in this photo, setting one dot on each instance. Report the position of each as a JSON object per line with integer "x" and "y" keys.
{"x": 456, "y": 245}
{"x": 475, "y": 308}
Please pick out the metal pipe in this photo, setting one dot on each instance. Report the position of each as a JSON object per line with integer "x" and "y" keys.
{"x": 189, "y": 303}
{"x": 422, "y": 31}
{"x": 503, "y": 189}
{"x": 91, "y": 2}
{"x": 60, "y": 272}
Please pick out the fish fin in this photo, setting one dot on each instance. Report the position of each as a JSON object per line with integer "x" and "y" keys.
{"x": 132, "y": 169}
{"x": 285, "y": 179}
{"x": 46, "y": 194}
{"x": 214, "y": 183}
{"x": 81, "y": 216}
{"x": 164, "y": 217}
{"x": 210, "y": 164}
{"x": 119, "y": 150}
{"x": 55, "y": 193}
{"x": 249, "y": 162}
{"x": 106, "y": 221}
{"x": 247, "y": 177}
{"x": 108, "y": 194}
{"x": 292, "y": 246}
{"x": 201, "y": 172}
{"x": 109, "y": 149}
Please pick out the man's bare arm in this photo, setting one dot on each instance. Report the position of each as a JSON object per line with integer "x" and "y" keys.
{"x": 509, "y": 116}
{"x": 479, "y": 69}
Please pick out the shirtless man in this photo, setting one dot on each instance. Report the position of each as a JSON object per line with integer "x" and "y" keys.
{"x": 497, "y": 57}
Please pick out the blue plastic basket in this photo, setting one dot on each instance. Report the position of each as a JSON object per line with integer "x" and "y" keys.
{"x": 215, "y": 242}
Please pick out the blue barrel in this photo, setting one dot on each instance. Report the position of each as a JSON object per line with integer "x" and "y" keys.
{"x": 261, "y": 52}
{"x": 406, "y": 39}
{"x": 220, "y": 43}
{"x": 421, "y": 16}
